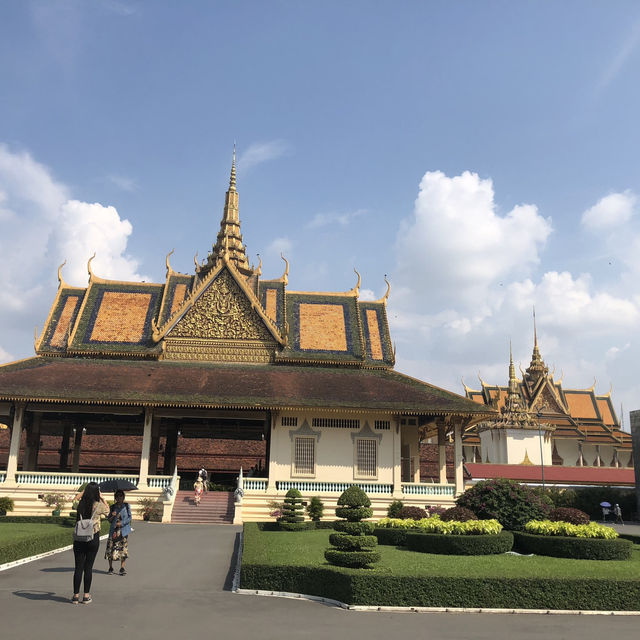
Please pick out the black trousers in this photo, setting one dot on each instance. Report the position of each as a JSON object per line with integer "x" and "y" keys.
{"x": 85, "y": 555}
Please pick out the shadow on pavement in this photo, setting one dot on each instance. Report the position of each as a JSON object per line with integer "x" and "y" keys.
{"x": 40, "y": 595}
{"x": 228, "y": 581}
{"x": 68, "y": 570}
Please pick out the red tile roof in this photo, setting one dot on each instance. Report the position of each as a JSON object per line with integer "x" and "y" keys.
{"x": 552, "y": 474}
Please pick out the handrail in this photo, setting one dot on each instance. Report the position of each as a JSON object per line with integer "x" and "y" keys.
{"x": 69, "y": 479}
{"x": 417, "y": 488}
{"x": 312, "y": 486}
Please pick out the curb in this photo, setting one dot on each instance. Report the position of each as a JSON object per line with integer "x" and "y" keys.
{"x": 46, "y": 554}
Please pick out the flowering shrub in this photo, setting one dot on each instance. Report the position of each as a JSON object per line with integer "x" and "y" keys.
{"x": 512, "y": 504}
{"x": 458, "y": 513}
{"x": 414, "y": 513}
{"x": 566, "y": 529}
{"x": 436, "y": 525}
{"x": 567, "y": 514}
{"x": 275, "y": 509}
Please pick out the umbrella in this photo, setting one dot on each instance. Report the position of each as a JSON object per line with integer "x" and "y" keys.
{"x": 605, "y": 504}
{"x": 117, "y": 484}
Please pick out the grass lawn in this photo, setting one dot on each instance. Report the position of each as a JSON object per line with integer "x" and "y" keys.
{"x": 294, "y": 562}
{"x": 12, "y": 531}
{"x": 306, "y": 548}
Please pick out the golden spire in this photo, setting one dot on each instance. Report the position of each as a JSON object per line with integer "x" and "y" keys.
{"x": 232, "y": 178}
{"x": 537, "y": 369}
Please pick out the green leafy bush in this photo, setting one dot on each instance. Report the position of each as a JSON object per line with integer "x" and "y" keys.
{"x": 394, "y": 508}
{"x": 6, "y": 504}
{"x": 412, "y": 513}
{"x": 560, "y": 528}
{"x": 588, "y": 499}
{"x": 353, "y": 543}
{"x": 573, "y": 547}
{"x": 393, "y": 537}
{"x": 509, "y": 502}
{"x": 292, "y": 510}
{"x": 315, "y": 509}
{"x": 568, "y": 514}
{"x": 451, "y": 528}
{"x": 468, "y": 545}
{"x": 458, "y": 513}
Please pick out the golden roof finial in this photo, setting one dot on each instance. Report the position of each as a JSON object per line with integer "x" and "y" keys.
{"x": 356, "y": 290}
{"x": 89, "y": 266}
{"x": 385, "y": 297}
{"x": 232, "y": 178}
{"x": 285, "y": 275}
{"x": 61, "y": 282}
{"x": 593, "y": 386}
{"x": 259, "y": 269}
{"x": 169, "y": 269}
{"x": 537, "y": 369}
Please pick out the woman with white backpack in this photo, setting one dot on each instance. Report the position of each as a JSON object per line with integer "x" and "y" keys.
{"x": 86, "y": 539}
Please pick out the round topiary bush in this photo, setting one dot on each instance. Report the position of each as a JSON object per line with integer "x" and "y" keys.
{"x": 509, "y": 502}
{"x": 292, "y": 510}
{"x": 567, "y": 514}
{"x": 461, "y": 514}
{"x": 411, "y": 513}
{"x": 394, "y": 508}
{"x": 353, "y": 544}
{"x": 572, "y": 547}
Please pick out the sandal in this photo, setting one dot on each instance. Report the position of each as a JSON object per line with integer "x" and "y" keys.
{"x": 87, "y": 600}
{"x": 75, "y": 599}
{"x": 110, "y": 571}
{"x": 123, "y": 572}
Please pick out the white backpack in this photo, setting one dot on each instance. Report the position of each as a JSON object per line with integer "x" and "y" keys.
{"x": 83, "y": 531}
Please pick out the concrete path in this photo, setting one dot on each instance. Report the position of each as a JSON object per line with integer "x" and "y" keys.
{"x": 177, "y": 587}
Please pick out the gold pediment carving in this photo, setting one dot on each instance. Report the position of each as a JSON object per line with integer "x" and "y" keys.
{"x": 222, "y": 312}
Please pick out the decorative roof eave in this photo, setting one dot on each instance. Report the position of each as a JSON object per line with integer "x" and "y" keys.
{"x": 280, "y": 359}
{"x": 37, "y": 343}
{"x": 240, "y": 406}
{"x": 112, "y": 355}
{"x": 174, "y": 318}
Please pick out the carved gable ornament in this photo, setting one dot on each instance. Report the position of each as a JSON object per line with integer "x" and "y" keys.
{"x": 547, "y": 402}
{"x": 222, "y": 326}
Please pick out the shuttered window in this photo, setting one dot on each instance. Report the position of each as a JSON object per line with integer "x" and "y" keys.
{"x": 366, "y": 457}
{"x": 304, "y": 456}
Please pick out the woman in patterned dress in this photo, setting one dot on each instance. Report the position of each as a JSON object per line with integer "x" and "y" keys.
{"x": 117, "y": 544}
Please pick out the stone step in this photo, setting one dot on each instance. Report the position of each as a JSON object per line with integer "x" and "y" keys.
{"x": 215, "y": 507}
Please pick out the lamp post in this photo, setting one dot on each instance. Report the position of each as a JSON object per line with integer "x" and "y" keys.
{"x": 539, "y": 415}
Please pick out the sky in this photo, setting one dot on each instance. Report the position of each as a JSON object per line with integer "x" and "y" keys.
{"x": 483, "y": 156}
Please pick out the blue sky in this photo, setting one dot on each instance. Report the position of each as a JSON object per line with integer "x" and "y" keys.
{"x": 484, "y": 155}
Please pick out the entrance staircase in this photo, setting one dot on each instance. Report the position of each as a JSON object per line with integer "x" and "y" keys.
{"x": 216, "y": 507}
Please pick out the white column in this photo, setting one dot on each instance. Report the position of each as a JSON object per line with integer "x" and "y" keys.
{"x": 457, "y": 442}
{"x": 442, "y": 453}
{"x": 14, "y": 447}
{"x": 146, "y": 447}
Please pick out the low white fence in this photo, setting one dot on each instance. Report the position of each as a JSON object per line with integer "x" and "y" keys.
{"x": 423, "y": 489}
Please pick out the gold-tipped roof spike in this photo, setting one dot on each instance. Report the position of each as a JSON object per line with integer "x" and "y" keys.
{"x": 385, "y": 297}
{"x": 593, "y": 386}
{"x": 482, "y": 382}
{"x": 61, "y": 282}
{"x": 285, "y": 276}
{"x": 608, "y": 394}
{"x": 89, "y": 266}
{"x": 259, "y": 269}
{"x": 169, "y": 269}
{"x": 537, "y": 369}
{"x": 232, "y": 177}
{"x": 356, "y": 290}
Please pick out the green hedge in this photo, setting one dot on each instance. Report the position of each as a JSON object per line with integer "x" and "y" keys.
{"x": 474, "y": 545}
{"x": 64, "y": 520}
{"x": 372, "y": 588}
{"x": 393, "y": 537}
{"x": 32, "y": 545}
{"x": 346, "y": 542}
{"x": 355, "y": 559}
{"x": 577, "y": 548}
{"x": 308, "y": 524}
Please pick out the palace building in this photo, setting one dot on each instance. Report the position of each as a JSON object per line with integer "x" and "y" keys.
{"x": 226, "y": 369}
{"x": 546, "y": 432}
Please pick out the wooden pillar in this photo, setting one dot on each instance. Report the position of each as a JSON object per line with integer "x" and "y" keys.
{"x": 457, "y": 442}
{"x": 32, "y": 446}
{"x": 146, "y": 446}
{"x": 155, "y": 445}
{"x": 64, "y": 445}
{"x": 14, "y": 447}
{"x": 77, "y": 447}
{"x": 442, "y": 452}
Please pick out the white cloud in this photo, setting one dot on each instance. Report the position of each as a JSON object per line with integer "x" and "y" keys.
{"x": 260, "y": 152}
{"x": 280, "y": 245}
{"x": 342, "y": 219}
{"x": 611, "y": 211}
{"x": 367, "y": 294}
{"x": 40, "y": 226}
{"x": 124, "y": 183}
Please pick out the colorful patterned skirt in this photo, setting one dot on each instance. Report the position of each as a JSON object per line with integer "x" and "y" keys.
{"x": 117, "y": 549}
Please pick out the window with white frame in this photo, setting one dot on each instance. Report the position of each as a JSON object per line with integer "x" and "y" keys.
{"x": 366, "y": 457}
{"x": 304, "y": 456}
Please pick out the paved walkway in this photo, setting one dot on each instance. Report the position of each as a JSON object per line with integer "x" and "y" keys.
{"x": 176, "y": 585}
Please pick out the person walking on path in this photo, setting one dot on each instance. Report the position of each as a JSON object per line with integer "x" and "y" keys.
{"x": 91, "y": 506}
{"x": 618, "y": 513}
{"x": 204, "y": 476}
{"x": 117, "y": 544}
{"x": 197, "y": 488}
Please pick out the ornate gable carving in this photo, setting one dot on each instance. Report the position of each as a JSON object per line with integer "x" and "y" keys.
{"x": 547, "y": 402}
{"x": 222, "y": 312}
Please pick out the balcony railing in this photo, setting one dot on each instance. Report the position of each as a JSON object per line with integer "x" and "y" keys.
{"x": 423, "y": 489}
{"x": 311, "y": 486}
{"x": 254, "y": 484}
{"x": 69, "y": 479}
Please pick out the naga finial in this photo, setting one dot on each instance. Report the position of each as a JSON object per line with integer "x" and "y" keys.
{"x": 89, "y": 266}
{"x": 61, "y": 282}
{"x": 356, "y": 290}
{"x": 259, "y": 269}
{"x": 169, "y": 269}
{"x": 285, "y": 275}
{"x": 195, "y": 261}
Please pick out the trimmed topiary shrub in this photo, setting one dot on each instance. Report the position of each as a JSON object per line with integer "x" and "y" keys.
{"x": 411, "y": 513}
{"x": 509, "y": 502}
{"x": 292, "y": 510}
{"x": 6, "y": 504}
{"x": 458, "y": 513}
{"x": 573, "y": 547}
{"x": 567, "y": 514}
{"x": 315, "y": 509}
{"x": 353, "y": 544}
{"x": 394, "y": 508}
{"x": 471, "y": 545}
{"x": 393, "y": 537}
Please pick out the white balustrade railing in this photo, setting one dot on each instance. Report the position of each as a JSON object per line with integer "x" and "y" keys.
{"x": 159, "y": 482}
{"x": 311, "y": 486}
{"x": 68, "y": 479}
{"x": 419, "y": 489}
{"x": 254, "y": 484}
